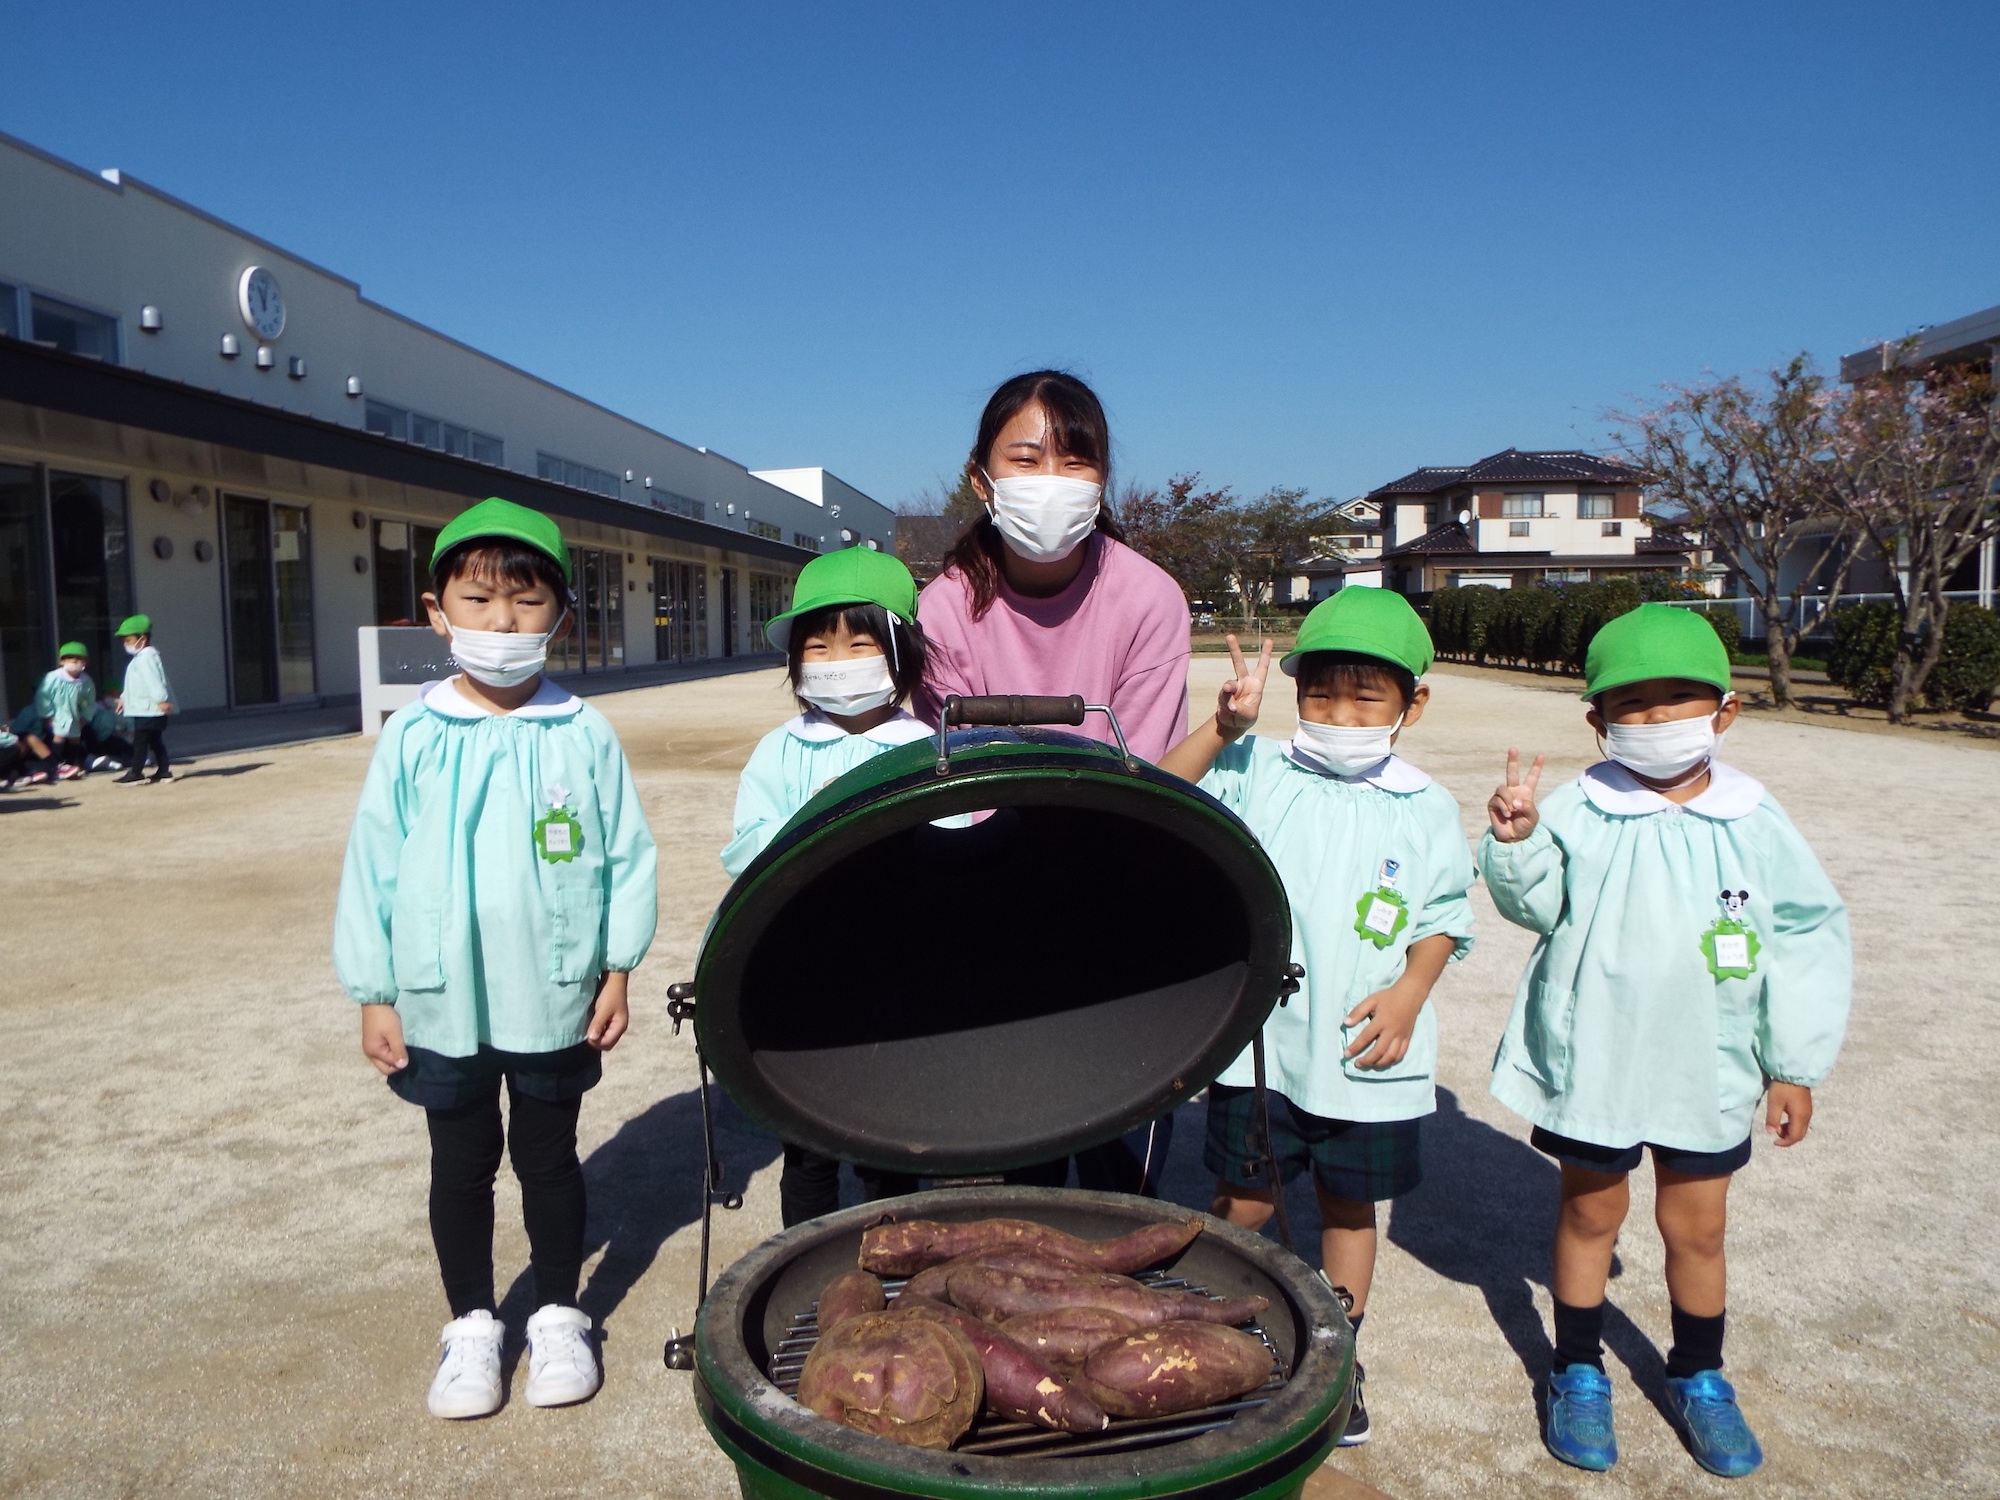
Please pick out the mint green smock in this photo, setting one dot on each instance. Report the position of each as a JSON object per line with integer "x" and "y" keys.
{"x": 789, "y": 767}
{"x": 1620, "y": 1033}
{"x": 1329, "y": 836}
{"x": 105, "y": 721}
{"x": 146, "y": 693}
{"x": 448, "y": 909}
{"x": 64, "y": 702}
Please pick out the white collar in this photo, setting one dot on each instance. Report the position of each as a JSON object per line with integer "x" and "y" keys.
{"x": 1390, "y": 774}
{"x": 1730, "y": 793}
{"x": 815, "y": 728}
{"x": 549, "y": 702}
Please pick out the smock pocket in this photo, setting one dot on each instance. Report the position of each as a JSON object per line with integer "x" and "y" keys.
{"x": 1545, "y": 1035}
{"x": 416, "y": 945}
{"x": 576, "y": 935}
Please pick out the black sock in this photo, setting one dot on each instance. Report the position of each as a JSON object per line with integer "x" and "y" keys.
{"x": 1579, "y": 1336}
{"x": 1697, "y": 1345}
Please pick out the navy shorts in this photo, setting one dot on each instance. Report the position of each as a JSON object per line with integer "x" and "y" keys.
{"x": 1622, "y": 1159}
{"x": 435, "y": 1081}
{"x": 1362, "y": 1161}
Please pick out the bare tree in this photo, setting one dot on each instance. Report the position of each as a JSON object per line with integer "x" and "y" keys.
{"x": 1916, "y": 465}
{"x": 1750, "y": 469}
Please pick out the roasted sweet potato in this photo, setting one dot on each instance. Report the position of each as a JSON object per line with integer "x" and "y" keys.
{"x": 1069, "y": 1335}
{"x": 911, "y": 1380}
{"x": 934, "y": 1281}
{"x": 1019, "y": 1383}
{"x": 849, "y": 1295}
{"x": 997, "y": 1293}
{"x": 902, "y": 1249}
{"x": 1175, "y": 1366}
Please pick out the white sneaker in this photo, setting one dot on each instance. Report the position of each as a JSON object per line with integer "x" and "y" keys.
{"x": 562, "y": 1360}
{"x": 468, "y": 1376}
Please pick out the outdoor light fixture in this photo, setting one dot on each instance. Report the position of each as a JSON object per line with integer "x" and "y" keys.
{"x": 360, "y": 563}
{"x": 163, "y": 548}
{"x": 231, "y": 346}
{"x": 360, "y": 521}
{"x": 834, "y": 511}
{"x": 149, "y": 319}
{"x": 265, "y": 358}
{"x": 873, "y": 545}
{"x": 354, "y": 385}
{"x": 296, "y": 368}
{"x": 161, "y": 491}
{"x": 649, "y": 481}
{"x": 732, "y": 509}
{"x": 628, "y": 476}
{"x": 847, "y": 536}
{"x": 203, "y": 550}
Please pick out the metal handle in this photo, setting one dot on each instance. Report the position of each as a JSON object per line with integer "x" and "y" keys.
{"x": 1014, "y": 711}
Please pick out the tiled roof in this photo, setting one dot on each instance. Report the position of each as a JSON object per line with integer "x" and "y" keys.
{"x": 1664, "y": 539}
{"x": 1512, "y": 466}
{"x": 1450, "y": 537}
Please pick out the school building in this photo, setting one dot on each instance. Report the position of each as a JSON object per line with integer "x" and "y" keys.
{"x": 199, "y": 425}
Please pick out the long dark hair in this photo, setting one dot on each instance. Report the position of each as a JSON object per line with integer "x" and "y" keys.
{"x": 907, "y": 655}
{"x": 1077, "y": 427}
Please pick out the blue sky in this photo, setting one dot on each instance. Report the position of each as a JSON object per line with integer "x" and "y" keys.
{"x": 1314, "y": 244}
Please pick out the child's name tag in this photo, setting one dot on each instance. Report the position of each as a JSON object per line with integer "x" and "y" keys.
{"x": 1732, "y": 950}
{"x": 1381, "y": 916}
{"x": 557, "y": 838}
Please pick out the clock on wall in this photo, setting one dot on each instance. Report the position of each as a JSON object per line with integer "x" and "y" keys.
{"x": 260, "y": 302}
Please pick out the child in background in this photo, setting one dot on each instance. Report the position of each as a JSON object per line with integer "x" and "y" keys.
{"x": 104, "y": 735}
{"x": 63, "y": 702}
{"x": 146, "y": 701}
{"x": 853, "y": 654}
{"x": 499, "y": 887}
{"x": 24, "y": 754}
{"x": 1375, "y": 862}
{"x": 1693, "y": 956}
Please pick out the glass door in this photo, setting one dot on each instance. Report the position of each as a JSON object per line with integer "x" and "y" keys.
{"x": 25, "y": 649}
{"x": 93, "y": 574}
{"x": 267, "y": 570}
{"x": 728, "y": 611}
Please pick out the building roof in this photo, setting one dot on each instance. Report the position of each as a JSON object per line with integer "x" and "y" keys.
{"x": 1972, "y": 337}
{"x": 1513, "y": 466}
{"x": 1450, "y": 537}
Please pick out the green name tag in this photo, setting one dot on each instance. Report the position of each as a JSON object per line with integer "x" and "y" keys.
{"x": 558, "y": 835}
{"x": 1730, "y": 946}
{"x": 1380, "y": 915}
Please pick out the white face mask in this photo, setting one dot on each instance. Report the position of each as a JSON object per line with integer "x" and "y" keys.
{"x": 1045, "y": 517}
{"x": 853, "y": 686}
{"x": 1345, "y": 752}
{"x": 134, "y": 650}
{"x": 501, "y": 658}
{"x": 1662, "y": 752}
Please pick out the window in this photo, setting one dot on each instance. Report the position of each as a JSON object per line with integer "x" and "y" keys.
{"x": 487, "y": 449}
{"x": 10, "y": 317}
{"x": 1594, "y": 508}
{"x": 770, "y": 596}
{"x": 1517, "y": 528}
{"x": 74, "y": 330}
{"x": 680, "y": 610}
{"x": 678, "y": 505}
{"x": 764, "y": 529}
{"x": 402, "y": 571}
{"x": 1614, "y": 528}
{"x": 578, "y": 476}
{"x": 385, "y": 420}
{"x": 810, "y": 543}
{"x": 1529, "y": 506}
{"x": 454, "y": 439}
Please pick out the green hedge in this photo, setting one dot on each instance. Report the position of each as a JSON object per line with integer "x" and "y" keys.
{"x": 1967, "y": 670}
{"x": 1546, "y": 626}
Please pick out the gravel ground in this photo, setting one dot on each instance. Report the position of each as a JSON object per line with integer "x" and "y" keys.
{"x": 215, "y": 1278}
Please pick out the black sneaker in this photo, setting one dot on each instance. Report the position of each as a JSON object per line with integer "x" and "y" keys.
{"x": 130, "y": 778}
{"x": 1357, "y": 1416}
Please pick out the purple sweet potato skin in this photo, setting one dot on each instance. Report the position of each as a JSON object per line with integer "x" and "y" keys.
{"x": 849, "y": 1295}
{"x": 911, "y": 1380}
{"x": 1069, "y": 1335}
{"x": 1174, "y": 1367}
{"x": 998, "y": 1292}
{"x": 902, "y": 1249}
{"x": 1019, "y": 1383}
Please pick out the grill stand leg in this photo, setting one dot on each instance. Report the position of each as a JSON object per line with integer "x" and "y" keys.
{"x": 679, "y": 1351}
{"x": 1268, "y": 1147}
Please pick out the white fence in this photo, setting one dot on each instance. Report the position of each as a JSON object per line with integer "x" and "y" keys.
{"x": 1810, "y": 613}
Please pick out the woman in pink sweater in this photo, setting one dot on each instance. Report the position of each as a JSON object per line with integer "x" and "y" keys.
{"x": 1040, "y": 594}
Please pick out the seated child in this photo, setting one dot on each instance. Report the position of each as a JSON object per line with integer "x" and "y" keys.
{"x": 1693, "y": 957}
{"x": 499, "y": 887}
{"x": 24, "y": 754}
{"x": 104, "y": 737}
{"x": 853, "y": 654}
{"x": 1375, "y": 861}
{"x": 63, "y": 702}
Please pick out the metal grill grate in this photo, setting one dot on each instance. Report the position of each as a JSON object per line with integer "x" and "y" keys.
{"x": 997, "y": 1437}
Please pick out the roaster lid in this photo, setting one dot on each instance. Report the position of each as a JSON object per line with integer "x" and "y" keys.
{"x": 957, "y": 1000}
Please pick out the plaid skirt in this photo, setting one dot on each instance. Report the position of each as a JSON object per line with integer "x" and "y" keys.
{"x": 1363, "y": 1161}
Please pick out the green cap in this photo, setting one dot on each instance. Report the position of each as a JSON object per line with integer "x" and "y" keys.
{"x": 72, "y": 648}
{"x": 854, "y": 575}
{"x": 135, "y": 625}
{"x": 1369, "y": 621}
{"x": 1655, "y": 640}
{"x": 497, "y": 517}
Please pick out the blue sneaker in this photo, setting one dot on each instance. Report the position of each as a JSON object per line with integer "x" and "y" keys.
{"x": 1578, "y": 1430}
{"x": 1711, "y": 1421}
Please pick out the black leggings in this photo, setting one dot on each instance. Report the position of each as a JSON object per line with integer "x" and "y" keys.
{"x": 466, "y": 1144}
{"x": 149, "y": 733}
{"x": 810, "y": 1185}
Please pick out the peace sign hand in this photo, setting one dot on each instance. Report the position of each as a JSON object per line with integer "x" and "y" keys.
{"x": 1242, "y": 696}
{"x": 1512, "y": 807}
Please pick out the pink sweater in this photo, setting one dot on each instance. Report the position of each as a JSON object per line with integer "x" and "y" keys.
{"x": 1118, "y": 635}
